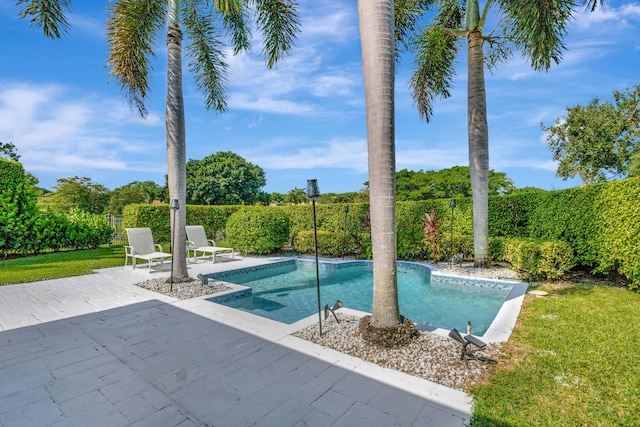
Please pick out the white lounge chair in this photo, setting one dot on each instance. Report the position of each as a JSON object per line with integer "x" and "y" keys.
{"x": 197, "y": 242}
{"x": 141, "y": 246}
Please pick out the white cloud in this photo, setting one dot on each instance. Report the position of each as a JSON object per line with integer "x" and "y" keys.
{"x": 243, "y": 101}
{"x": 608, "y": 17}
{"x": 58, "y": 130}
{"x": 341, "y": 154}
{"x": 431, "y": 158}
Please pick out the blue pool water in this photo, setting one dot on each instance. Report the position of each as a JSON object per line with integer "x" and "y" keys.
{"x": 286, "y": 291}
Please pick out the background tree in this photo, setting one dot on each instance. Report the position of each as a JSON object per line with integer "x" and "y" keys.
{"x": 9, "y": 151}
{"x": 224, "y": 178}
{"x": 535, "y": 28}
{"x": 76, "y": 192}
{"x": 450, "y": 182}
{"x": 134, "y": 192}
{"x": 599, "y": 140}
{"x": 131, "y": 30}
{"x": 296, "y": 196}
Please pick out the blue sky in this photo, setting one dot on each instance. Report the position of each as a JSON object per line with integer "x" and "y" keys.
{"x": 304, "y": 119}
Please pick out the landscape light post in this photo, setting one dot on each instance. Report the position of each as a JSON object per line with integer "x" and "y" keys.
{"x": 344, "y": 244}
{"x": 175, "y": 205}
{"x": 313, "y": 193}
{"x": 452, "y": 204}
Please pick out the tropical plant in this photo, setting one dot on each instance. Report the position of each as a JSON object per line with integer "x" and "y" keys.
{"x": 533, "y": 27}
{"x": 431, "y": 230}
{"x": 131, "y": 30}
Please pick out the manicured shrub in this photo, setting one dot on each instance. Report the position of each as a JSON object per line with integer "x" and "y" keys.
{"x": 259, "y": 230}
{"x": 538, "y": 260}
{"x": 87, "y": 230}
{"x": 329, "y": 243}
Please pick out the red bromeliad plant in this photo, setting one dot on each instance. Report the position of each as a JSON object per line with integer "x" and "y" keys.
{"x": 431, "y": 228}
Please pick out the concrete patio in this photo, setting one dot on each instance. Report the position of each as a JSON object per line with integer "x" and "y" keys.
{"x": 97, "y": 350}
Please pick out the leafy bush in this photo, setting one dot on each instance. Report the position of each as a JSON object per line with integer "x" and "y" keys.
{"x": 258, "y": 230}
{"x": 87, "y": 230}
{"x": 539, "y": 260}
{"x": 329, "y": 243}
{"x": 17, "y": 208}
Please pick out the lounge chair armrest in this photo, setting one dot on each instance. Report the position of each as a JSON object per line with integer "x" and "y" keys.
{"x": 129, "y": 250}
{"x": 211, "y": 242}
{"x": 190, "y": 243}
{"x": 158, "y": 247}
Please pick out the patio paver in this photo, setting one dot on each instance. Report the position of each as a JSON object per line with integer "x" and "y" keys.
{"x": 97, "y": 350}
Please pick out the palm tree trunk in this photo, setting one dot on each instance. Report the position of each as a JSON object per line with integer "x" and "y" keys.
{"x": 478, "y": 148}
{"x": 176, "y": 143}
{"x": 376, "y": 38}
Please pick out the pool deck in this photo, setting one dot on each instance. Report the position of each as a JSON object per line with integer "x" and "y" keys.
{"x": 98, "y": 350}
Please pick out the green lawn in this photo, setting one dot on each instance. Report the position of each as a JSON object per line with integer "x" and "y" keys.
{"x": 571, "y": 361}
{"x": 59, "y": 264}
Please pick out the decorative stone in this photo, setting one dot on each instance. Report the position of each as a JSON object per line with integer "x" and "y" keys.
{"x": 538, "y": 293}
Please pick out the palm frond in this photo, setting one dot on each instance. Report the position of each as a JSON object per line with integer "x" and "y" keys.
{"x": 131, "y": 29}
{"x": 593, "y": 4}
{"x": 206, "y": 55}
{"x": 228, "y": 6}
{"x": 538, "y": 27}
{"x": 279, "y": 24}
{"x": 436, "y": 51}
{"x": 407, "y": 14}
{"x": 236, "y": 22}
{"x": 46, "y": 14}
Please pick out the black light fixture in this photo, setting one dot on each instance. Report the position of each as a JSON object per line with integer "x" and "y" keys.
{"x": 313, "y": 192}
{"x": 175, "y": 206}
{"x": 465, "y": 341}
{"x": 344, "y": 245}
{"x": 333, "y": 309}
{"x": 452, "y": 205}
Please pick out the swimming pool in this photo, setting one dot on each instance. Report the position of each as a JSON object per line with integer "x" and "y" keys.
{"x": 286, "y": 291}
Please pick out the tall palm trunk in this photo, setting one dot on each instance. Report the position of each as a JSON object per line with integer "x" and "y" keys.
{"x": 478, "y": 148}
{"x": 376, "y": 38}
{"x": 176, "y": 142}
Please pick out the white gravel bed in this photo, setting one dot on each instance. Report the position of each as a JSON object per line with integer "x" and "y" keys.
{"x": 430, "y": 356}
{"x": 182, "y": 290}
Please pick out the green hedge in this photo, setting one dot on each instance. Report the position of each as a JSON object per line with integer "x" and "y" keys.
{"x": 599, "y": 223}
{"x": 259, "y": 230}
{"x": 538, "y": 260}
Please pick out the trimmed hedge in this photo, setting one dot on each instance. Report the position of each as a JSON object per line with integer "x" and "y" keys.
{"x": 599, "y": 223}
{"x": 537, "y": 260}
{"x": 258, "y": 230}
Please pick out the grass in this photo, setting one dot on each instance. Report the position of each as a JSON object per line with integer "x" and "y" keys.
{"x": 572, "y": 360}
{"x": 59, "y": 264}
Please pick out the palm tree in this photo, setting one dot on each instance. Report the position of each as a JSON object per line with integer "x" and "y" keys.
{"x": 378, "y": 57}
{"x": 533, "y": 27}
{"x": 131, "y": 30}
